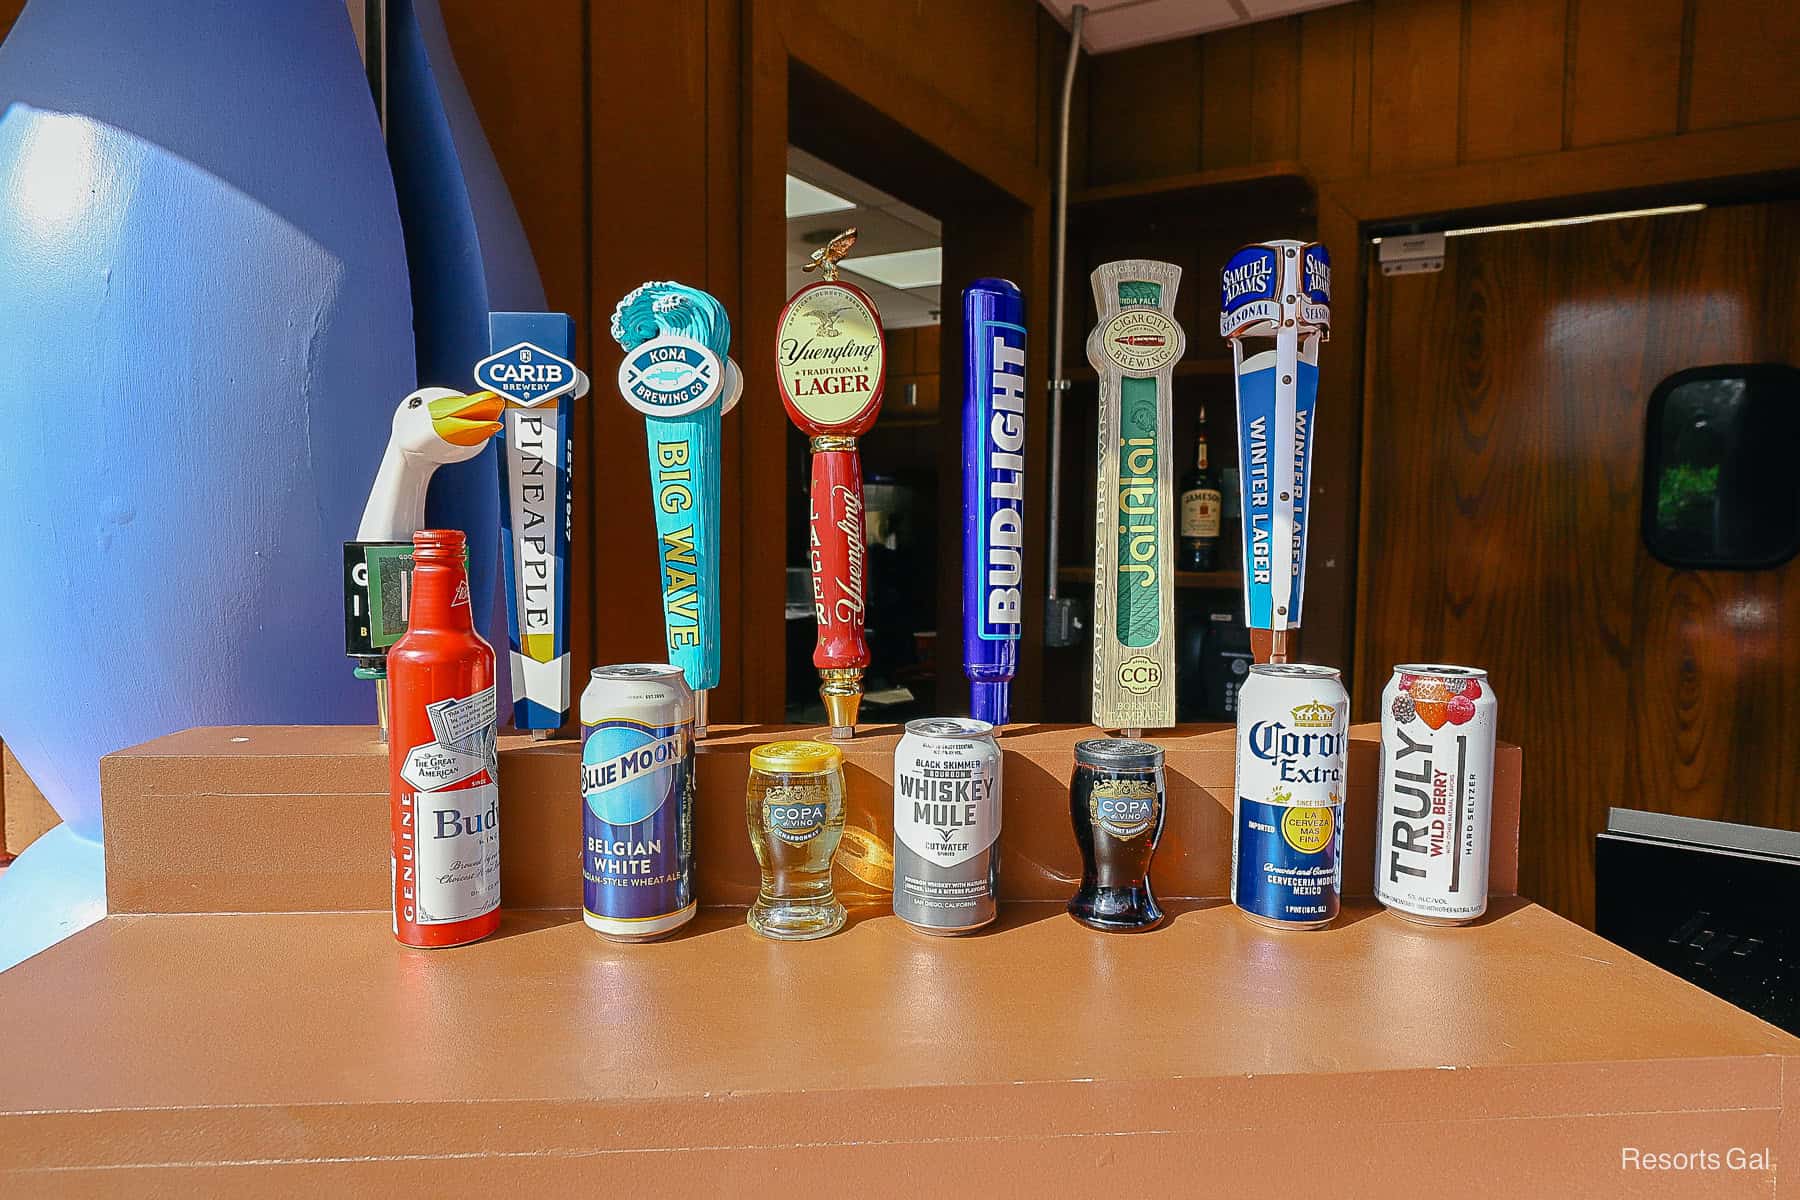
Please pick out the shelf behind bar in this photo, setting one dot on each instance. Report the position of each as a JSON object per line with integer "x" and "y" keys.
{"x": 1232, "y": 579}
{"x": 1281, "y": 173}
{"x": 1187, "y": 368}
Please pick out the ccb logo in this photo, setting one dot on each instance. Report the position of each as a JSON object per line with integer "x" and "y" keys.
{"x": 1139, "y": 674}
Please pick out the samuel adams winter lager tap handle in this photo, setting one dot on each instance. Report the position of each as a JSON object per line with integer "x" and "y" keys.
{"x": 1279, "y": 293}
{"x": 677, "y": 374}
{"x": 530, "y": 369}
{"x": 1134, "y": 349}
{"x": 993, "y": 493}
{"x": 832, "y": 366}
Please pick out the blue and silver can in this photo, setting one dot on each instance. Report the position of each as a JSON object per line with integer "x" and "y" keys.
{"x": 993, "y": 493}
{"x": 1287, "y": 861}
{"x": 637, "y": 790}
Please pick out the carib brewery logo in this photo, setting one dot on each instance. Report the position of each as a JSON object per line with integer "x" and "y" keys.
{"x": 670, "y": 376}
{"x": 795, "y": 814}
{"x": 1307, "y": 748}
{"x": 527, "y": 375}
{"x": 1123, "y": 808}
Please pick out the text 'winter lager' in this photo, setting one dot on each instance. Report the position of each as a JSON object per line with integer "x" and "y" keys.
{"x": 1287, "y": 860}
{"x": 946, "y": 825}
{"x": 443, "y": 764}
{"x": 794, "y": 807}
{"x": 1117, "y": 803}
{"x": 1436, "y": 793}
{"x": 637, "y": 791}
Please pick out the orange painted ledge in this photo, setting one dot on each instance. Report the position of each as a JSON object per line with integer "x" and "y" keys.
{"x": 208, "y": 1042}
{"x": 254, "y": 1054}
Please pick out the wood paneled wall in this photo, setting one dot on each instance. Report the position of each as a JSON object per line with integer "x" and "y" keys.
{"x": 649, "y": 141}
{"x": 1391, "y": 87}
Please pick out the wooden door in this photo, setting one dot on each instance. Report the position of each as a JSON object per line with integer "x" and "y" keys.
{"x": 1503, "y": 463}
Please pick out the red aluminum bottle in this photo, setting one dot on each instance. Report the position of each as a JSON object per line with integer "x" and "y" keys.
{"x": 443, "y": 765}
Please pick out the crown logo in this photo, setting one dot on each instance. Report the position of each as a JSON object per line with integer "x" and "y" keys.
{"x": 1314, "y": 715}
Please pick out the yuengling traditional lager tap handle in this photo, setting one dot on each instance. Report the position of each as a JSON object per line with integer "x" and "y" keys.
{"x": 831, "y": 366}
{"x": 1280, "y": 293}
{"x": 677, "y": 374}
{"x": 1134, "y": 349}
{"x": 433, "y": 427}
{"x": 530, "y": 368}
{"x": 993, "y": 493}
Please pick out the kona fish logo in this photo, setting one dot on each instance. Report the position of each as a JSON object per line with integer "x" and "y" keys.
{"x": 670, "y": 376}
{"x": 527, "y": 375}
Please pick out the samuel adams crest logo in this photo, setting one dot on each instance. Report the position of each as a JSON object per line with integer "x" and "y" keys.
{"x": 670, "y": 376}
{"x": 527, "y": 375}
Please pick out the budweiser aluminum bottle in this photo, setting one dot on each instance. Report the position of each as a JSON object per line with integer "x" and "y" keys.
{"x": 443, "y": 767}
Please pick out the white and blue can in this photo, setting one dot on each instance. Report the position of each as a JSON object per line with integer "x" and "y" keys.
{"x": 1287, "y": 860}
{"x": 637, "y": 790}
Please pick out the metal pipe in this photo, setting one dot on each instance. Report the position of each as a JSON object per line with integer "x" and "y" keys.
{"x": 1058, "y": 384}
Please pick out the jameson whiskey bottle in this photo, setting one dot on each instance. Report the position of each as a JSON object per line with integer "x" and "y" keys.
{"x": 1200, "y": 504}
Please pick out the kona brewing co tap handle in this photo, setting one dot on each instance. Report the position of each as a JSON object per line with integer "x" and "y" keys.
{"x": 831, "y": 365}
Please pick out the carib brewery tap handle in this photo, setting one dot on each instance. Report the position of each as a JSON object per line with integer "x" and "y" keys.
{"x": 993, "y": 493}
{"x": 677, "y": 374}
{"x": 530, "y": 368}
{"x": 832, "y": 366}
{"x": 1279, "y": 293}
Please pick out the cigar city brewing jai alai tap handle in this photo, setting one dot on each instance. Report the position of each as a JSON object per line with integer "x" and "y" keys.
{"x": 831, "y": 365}
{"x": 1134, "y": 349}
{"x": 1279, "y": 293}
{"x": 677, "y": 374}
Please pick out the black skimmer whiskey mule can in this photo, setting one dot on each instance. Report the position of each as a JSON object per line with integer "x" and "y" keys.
{"x": 947, "y": 825}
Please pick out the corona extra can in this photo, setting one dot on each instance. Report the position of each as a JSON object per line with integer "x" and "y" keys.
{"x": 637, "y": 790}
{"x": 1436, "y": 794}
{"x": 1287, "y": 841}
{"x": 947, "y": 825}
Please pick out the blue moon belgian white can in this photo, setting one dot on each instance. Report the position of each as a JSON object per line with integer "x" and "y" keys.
{"x": 946, "y": 825}
{"x": 993, "y": 493}
{"x": 1287, "y": 862}
{"x": 637, "y": 790}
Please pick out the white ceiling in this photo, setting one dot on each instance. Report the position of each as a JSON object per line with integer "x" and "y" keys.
{"x": 883, "y": 226}
{"x": 1121, "y": 24}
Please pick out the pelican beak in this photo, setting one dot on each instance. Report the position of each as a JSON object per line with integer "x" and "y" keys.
{"x": 467, "y": 420}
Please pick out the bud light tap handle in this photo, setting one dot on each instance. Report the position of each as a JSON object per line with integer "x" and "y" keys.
{"x": 676, "y": 373}
{"x": 1279, "y": 293}
{"x": 831, "y": 366}
{"x": 993, "y": 493}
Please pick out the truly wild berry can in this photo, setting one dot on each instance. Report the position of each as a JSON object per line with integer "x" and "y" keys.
{"x": 1287, "y": 865}
{"x": 1436, "y": 793}
{"x": 947, "y": 825}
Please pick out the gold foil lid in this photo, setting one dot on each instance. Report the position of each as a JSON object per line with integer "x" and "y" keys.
{"x": 796, "y": 758}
